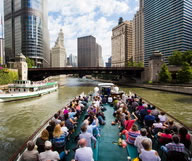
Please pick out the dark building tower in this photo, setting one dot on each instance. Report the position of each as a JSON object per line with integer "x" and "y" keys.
{"x": 26, "y": 30}
{"x": 88, "y": 52}
{"x": 167, "y": 27}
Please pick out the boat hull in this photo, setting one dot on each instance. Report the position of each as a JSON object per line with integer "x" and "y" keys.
{"x": 21, "y": 96}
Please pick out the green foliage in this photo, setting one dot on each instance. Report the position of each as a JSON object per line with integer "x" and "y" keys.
{"x": 7, "y": 76}
{"x": 179, "y": 58}
{"x": 185, "y": 74}
{"x": 30, "y": 62}
{"x": 164, "y": 75}
{"x": 187, "y": 57}
{"x": 149, "y": 82}
{"x": 134, "y": 64}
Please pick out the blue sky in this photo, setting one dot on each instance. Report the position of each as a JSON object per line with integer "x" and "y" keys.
{"x": 88, "y": 17}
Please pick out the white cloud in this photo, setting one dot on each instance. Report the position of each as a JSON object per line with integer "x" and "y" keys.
{"x": 85, "y": 17}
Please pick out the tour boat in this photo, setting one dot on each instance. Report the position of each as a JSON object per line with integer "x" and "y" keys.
{"x": 23, "y": 89}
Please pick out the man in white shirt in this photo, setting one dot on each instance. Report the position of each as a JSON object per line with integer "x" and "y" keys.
{"x": 49, "y": 154}
{"x": 87, "y": 136}
{"x": 140, "y": 138}
{"x": 83, "y": 153}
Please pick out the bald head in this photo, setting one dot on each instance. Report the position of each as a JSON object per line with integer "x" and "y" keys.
{"x": 82, "y": 142}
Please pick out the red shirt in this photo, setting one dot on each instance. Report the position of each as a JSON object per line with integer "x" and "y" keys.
{"x": 128, "y": 124}
{"x": 164, "y": 137}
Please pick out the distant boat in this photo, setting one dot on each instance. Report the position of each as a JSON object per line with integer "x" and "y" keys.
{"x": 23, "y": 89}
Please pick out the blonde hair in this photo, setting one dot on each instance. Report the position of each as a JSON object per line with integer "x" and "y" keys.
{"x": 57, "y": 131}
{"x": 45, "y": 135}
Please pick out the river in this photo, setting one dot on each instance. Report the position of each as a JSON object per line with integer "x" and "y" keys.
{"x": 18, "y": 120}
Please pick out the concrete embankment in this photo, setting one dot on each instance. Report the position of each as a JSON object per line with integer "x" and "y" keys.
{"x": 169, "y": 88}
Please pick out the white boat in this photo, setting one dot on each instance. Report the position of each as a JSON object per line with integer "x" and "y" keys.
{"x": 23, "y": 89}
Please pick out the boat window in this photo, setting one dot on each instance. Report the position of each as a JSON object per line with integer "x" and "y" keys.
{"x": 14, "y": 89}
{"x": 24, "y": 90}
{"x": 19, "y": 90}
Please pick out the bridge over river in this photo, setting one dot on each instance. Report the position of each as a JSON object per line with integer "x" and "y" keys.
{"x": 42, "y": 73}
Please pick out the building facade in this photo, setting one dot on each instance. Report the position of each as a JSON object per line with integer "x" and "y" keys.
{"x": 138, "y": 34}
{"x": 88, "y": 52}
{"x": 72, "y": 60}
{"x": 108, "y": 64}
{"x": 99, "y": 56}
{"x": 2, "y": 49}
{"x": 26, "y": 30}
{"x": 167, "y": 27}
{"x": 122, "y": 44}
{"x": 58, "y": 52}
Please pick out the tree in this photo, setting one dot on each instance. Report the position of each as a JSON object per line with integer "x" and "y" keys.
{"x": 30, "y": 62}
{"x": 164, "y": 75}
{"x": 176, "y": 58}
{"x": 185, "y": 74}
{"x": 187, "y": 57}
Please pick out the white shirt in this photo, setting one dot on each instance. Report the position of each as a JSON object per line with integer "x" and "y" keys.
{"x": 110, "y": 99}
{"x": 158, "y": 125}
{"x": 65, "y": 130}
{"x": 138, "y": 141}
{"x": 162, "y": 118}
{"x": 84, "y": 154}
{"x": 49, "y": 155}
{"x": 149, "y": 155}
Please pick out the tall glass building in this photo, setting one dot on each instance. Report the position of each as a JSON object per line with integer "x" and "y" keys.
{"x": 26, "y": 30}
{"x": 167, "y": 27}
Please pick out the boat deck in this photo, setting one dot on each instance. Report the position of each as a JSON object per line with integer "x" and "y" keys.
{"x": 109, "y": 134}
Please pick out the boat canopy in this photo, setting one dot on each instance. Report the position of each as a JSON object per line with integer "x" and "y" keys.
{"x": 105, "y": 85}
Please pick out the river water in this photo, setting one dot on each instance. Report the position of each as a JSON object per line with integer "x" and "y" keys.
{"x": 18, "y": 120}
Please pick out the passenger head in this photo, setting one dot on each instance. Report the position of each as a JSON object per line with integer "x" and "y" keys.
{"x": 52, "y": 123}
{"x": 48, "y": 145}
{"x": 146, "y": 144}
{"x": 62, "y": 123}
{"x": 45, "y": 135}
{"x": 171, "y": 122}
{"x": 143, "y": 132}
{"x": 167, "y": 131}
{"x": 157, "y": 120}
{"x": 57, "y": 131}
{"x": 162, "y": 113}
{"x": 30, "y": 145}
{"x": 175, "y": 130}
{"x": 134, "y": 127}
{"x": 56, "y": 115}
{"x": 183, "y": 131}
{"x": 175, "y": 139}
{"x": 82, "y": 143}
{"x": 84, "y": 128}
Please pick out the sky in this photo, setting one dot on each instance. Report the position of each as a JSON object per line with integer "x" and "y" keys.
{"x": 80, "y": 18}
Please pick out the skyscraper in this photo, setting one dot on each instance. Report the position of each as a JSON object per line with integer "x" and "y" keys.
{"x": 122, "y": 44}
{"x": 88, "y": 52}
{"x": 58, "y": 52}
{"x": 26, "y": 30}
{"x": 138, "y": 34}
{"x": 2, "y": 50}
{"x": 167, "y": 27}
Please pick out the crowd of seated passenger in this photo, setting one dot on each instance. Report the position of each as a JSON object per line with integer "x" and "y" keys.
{"x": 51, "y": 145}
{"x": 156, "y": 127}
